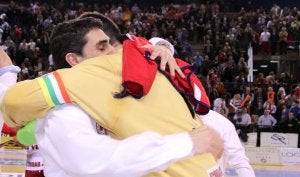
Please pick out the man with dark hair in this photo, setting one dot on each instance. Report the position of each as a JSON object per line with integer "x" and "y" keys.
{"x": 111, "y": 29}
{"x": 77, "y": 131}
{"x": 68, "y": 39}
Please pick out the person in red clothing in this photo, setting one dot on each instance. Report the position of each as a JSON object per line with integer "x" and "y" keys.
{"x": 34, "y": 163}
{"x": 270, "y": 95}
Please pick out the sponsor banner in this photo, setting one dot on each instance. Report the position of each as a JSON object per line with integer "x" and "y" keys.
{"x": 273, "y": 155}
{"x": 264, "y": 155}
{"x": 12, "y": 162}
{"x": 269, "y": 139}
{"x": 290, "y": 156}
{"x": 12, "y": 175}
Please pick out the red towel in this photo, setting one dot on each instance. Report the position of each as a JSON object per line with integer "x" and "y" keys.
{"x": 139, "y": 73}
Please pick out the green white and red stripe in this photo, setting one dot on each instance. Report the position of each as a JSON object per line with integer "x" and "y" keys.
{"x": 53, "y": 89}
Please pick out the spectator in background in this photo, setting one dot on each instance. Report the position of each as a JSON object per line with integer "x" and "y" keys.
{"x": 283, "y": 34}
{"x": 258, "y": 111}
{"x": 265, "y": 41}
{"x": 242, "y": 118}
{"x": 266, "y": 120}
{"x": 281, "y": 94}
{"x": 271, "y": 107}
{"x": 209, "y": 49}
{"x": 242, "y": 122}
{"x": 197, "y": 60}
{"x": 260, "y": 80}
{"x": 220, "y": 106}
{"x": 236, "y": 102}
{"x": 271, "y": 78}
{"x": 274, "y": 41}
{"x": 258, "y": 97}
{"x": 213, "y": 92}
{"x": 285, "y": 81}
{"x": 290, "y": 125}
{"x": 247, "y": 98}
{"x": 270, "y": 95}
{"x": 284, "y": 114}
{"x": 295, "y": 109}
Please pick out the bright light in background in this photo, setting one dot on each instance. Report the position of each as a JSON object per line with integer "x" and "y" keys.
{"x": 263, "y": 66}
{"x": 274, "y": 61}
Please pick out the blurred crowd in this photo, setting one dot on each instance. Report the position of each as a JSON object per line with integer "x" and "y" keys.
{"x": 224, "y": 30}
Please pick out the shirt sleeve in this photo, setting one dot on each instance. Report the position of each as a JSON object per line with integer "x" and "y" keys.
{"x": 234, "y": 153}
{"x": 274, "y": 121}
{"x": 160, "y": 41}
{"x": 23, "y": 102}
{"x": 10, "y": 68}
{"x": 103, "y": 156}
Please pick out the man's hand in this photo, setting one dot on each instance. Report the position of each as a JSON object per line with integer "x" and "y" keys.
{"x": 207, "y": 140}
{"x": 166, "y": 58}
{"x": 4, "y": 58}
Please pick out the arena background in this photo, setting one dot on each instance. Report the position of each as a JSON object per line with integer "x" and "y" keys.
{"x": 273, "y": 153}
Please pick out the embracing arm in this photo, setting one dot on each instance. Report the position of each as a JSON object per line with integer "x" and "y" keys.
{"x": 84, "y": 152}
{"x": 68, "y": 138}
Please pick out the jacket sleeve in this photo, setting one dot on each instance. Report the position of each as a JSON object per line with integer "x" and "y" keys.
{"x": 23, "y": 102}
{"x": 8, "y": 77}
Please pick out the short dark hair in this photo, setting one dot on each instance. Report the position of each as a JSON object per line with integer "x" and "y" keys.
{"x": 110, "y": 28}
{"x": 69, "y": 36}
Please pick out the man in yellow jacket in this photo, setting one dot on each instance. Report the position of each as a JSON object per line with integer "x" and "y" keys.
{"x": 91, "y": 85}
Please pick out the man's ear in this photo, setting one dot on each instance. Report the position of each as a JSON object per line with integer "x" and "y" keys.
{"x": 72, "y": 58}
